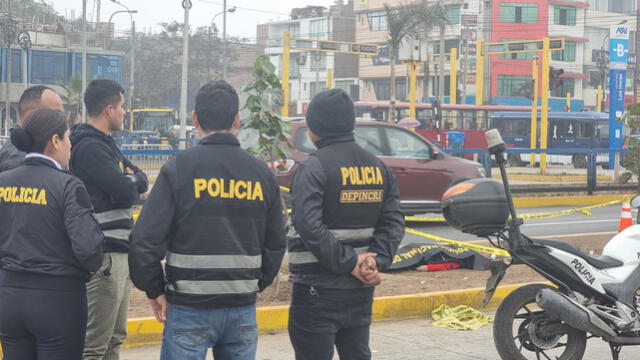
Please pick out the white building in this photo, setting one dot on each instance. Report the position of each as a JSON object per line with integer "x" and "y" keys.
{"x": 308, "y": 70}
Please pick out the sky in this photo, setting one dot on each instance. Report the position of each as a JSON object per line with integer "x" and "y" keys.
{"x": 241, "y": 23}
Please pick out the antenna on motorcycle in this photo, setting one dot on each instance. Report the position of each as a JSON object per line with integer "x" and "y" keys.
{"x": 497, "y": 148}
{"x": 494, "y": 141}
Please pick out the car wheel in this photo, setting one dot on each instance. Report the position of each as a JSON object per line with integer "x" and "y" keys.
{"x": 579, "y": 161}
{"x": 514, "y": 160}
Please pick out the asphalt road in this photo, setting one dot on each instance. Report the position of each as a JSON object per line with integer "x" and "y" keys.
{"x": 602, "y": 220}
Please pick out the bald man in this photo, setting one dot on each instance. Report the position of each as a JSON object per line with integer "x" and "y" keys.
{"x": 35, "y": 97}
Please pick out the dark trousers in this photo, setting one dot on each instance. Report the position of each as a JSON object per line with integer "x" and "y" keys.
{"x": 320, "y": 318}
{"x": 40, "y": 324}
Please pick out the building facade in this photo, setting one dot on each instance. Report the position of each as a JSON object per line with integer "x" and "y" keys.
{"x": 586, "y": 31}
{"x": 55, "y": 57}
{"x": 308, "y": 70}
{"x": 583, "y": 23}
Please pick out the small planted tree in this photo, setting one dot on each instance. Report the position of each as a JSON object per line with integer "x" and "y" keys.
{"x": 631, "y": 160}
{"x": 263, "y": 103}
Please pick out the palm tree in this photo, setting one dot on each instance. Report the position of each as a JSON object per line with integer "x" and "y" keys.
{"x": 400, "y": 22}
{"x": 430, "y": 16}
{"x": 72, "y": 96}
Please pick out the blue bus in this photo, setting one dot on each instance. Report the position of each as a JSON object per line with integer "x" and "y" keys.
{"x": 566, "y": 130}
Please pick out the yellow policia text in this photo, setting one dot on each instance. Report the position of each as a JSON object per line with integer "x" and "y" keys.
{"x": 234, "y": 189}
{"x": 22, "y": 195}
{"x": 361, "y": 175}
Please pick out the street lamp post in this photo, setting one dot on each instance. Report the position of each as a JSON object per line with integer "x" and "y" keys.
{"x": 132, "y": 55}
{"x": 186, "y": 5}
{"x": 224, "y": 34}
{"x": 84, "y": 55}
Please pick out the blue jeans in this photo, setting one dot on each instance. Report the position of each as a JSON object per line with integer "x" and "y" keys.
{"x": 232, "y": 333}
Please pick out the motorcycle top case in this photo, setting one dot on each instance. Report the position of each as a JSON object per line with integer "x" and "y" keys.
{"x": 477, "y": 207}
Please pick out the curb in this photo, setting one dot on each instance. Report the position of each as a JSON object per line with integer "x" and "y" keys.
{"x": 147, "y": 331}
{"x": 553, "y": 178}
{"x": 581, "y": 200}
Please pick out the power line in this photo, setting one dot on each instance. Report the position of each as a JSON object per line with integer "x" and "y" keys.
{"x": 244, "y": 8}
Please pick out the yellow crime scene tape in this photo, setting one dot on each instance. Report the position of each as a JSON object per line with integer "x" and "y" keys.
{"x": 584, "y": 210}
{"x": 461, "y": 317}
{"x": 476, "y": 247}
{"x": 471, "y": 246}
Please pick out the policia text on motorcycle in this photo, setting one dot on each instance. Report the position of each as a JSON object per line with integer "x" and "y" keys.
{"x": 346, "y": 213}
{"x": 50, "y": 243}
{"x": 115, "y": 185}
{"x": 35, "y": 97}
{"x": 215, "y": 212}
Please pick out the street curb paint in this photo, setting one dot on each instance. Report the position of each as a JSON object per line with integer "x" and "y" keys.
{"x": 147, "y": 331}
{"x": 580, "y": 200}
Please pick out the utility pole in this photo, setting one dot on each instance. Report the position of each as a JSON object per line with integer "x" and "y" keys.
{"x": 9, "y": 39}
{"x": 84, "y": 56}
{"x": 224, "y": 39}
{"x": 97, "y": 13}
{"x": 186, "y": 4}
{"x": 636, "y": 49}
{"x": 465, "y": 61}
{"x": 442, "y": 52}
{"x": 132, "y": 79}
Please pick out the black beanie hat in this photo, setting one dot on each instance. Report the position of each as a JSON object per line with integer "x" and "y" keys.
{"x": 331, "y": 113}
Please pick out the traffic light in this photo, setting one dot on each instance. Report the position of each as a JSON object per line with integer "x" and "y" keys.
{"x": 436, "y": 110}
{"x": 554, "y": 78}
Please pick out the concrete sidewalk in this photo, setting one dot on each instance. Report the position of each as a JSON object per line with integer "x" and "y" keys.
{"x": 405, "y": 340}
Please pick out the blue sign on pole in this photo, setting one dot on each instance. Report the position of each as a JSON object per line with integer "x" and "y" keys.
{"x": 618, "y": 56}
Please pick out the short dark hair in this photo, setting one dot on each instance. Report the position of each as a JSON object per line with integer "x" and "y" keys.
{"x": 31, "y": 98}
{"x": 217, "y": 105}
{"x": 100, "y": 93}
{"x": 37, "y": 130}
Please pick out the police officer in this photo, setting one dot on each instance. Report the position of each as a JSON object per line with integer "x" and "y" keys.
{"x": 114, "y": 184}
{"x": 346, "y": 212}
{"x": 35, "y": 97}
{"x": 49, "y": 244}
{"x": 215, "y": 213}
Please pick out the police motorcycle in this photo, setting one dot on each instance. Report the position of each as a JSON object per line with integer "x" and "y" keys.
{"x": 591, "y": 296}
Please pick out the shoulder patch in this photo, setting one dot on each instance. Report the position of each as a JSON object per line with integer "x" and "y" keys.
{"x": 82, "y": 197}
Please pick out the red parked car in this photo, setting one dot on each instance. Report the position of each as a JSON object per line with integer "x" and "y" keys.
{"x": 423, "y": 172}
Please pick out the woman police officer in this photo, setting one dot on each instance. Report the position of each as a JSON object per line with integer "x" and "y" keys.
{"x": 50, "y": 243}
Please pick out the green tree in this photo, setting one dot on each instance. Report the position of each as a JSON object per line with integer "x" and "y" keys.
{"x": 429, "y": 16}
{"x": 72, "y": 96}
{"x": 263, "y": 103}
{"x": 400, "y": 23}
{"x": 159, "y": 58}
{"x": 35, "y": 11}
{"x": 631, "y": 160}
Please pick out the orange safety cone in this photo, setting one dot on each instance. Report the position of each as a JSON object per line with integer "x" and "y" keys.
{"x": 625, "y": 218}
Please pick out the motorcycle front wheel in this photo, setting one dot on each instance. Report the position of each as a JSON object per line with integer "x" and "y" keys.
{"x": 524, "y": 331}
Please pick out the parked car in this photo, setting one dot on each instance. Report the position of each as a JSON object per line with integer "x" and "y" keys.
{"x": 423, "y": 171}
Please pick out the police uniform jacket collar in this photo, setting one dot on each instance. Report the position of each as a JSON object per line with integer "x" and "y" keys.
{"x": 220, "y": 139}
{"x": 334, "y": 140}
{"x": 39, "y": 159}
{"x": 43, "y": 156}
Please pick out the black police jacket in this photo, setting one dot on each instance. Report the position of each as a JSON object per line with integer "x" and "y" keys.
{"x": 345, "y": 202}
{"x": 10, "y": 157}
{"x": 98, "y": 162}
{"x": 215, "y": 214}
{"x": 47, "y": 225}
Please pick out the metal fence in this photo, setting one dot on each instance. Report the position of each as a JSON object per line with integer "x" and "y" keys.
{"x": 567, "y": 170}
